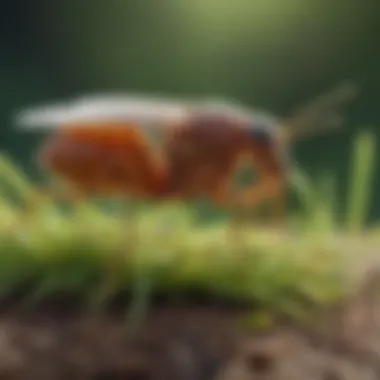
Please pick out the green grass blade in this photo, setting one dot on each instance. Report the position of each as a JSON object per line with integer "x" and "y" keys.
{"x": 12, "y": 175}
{"x": 363, "y": 160}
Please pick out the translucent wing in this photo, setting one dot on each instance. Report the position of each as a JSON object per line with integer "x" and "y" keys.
{"x": 99, "y": 109}
{"x": 153, "y": 114}
{"x": 251, "y": 118}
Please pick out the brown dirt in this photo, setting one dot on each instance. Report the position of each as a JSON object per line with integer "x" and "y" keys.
{"x": 189, "y": 341}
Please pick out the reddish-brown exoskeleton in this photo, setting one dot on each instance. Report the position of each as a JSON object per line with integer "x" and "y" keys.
{"x": 107, "y": 159}
{"x": 204, "y": 153}
{"x": 105, "y": 151}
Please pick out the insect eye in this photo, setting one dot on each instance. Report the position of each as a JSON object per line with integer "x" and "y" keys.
{"x": 260, "y": 135}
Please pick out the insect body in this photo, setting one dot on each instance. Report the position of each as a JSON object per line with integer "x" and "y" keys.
{"x": 100, "y": 146}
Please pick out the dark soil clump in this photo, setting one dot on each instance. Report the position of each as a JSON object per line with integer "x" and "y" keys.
{"x": 191, "y": 340}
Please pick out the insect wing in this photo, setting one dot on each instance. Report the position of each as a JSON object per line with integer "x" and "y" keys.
{"x": 152, "y": 112}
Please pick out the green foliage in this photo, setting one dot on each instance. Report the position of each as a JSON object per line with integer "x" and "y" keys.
{"x": 96, "y": 253}
{"x": 361, "y": 181}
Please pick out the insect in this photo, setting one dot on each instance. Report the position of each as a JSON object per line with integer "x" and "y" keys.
{"x": 101, "y": 146}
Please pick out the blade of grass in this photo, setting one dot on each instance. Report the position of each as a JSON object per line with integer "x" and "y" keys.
{"x": 15, "y": 177}
{"x": 362, "y": 172}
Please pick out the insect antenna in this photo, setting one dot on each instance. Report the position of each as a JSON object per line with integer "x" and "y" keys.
{"x": 321, "y": 115}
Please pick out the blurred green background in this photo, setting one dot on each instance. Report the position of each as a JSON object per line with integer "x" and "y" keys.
{"x": 270, "y": 54}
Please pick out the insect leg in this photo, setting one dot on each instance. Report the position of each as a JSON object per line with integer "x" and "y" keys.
{"x": 270, "y": 188}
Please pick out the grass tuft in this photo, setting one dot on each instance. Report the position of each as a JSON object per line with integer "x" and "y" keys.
{"x": 96, "y": 253}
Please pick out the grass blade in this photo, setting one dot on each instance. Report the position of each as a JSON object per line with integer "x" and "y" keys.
{"x": 363, "y": 160}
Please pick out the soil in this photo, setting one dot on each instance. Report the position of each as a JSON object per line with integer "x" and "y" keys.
{"x": 188, "y": 340}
